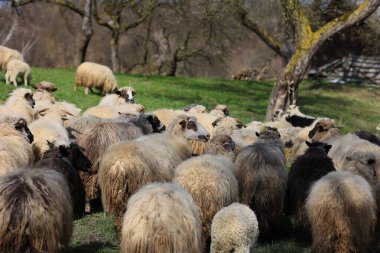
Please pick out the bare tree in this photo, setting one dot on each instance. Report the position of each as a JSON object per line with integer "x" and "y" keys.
{"x": 109, "y": 14}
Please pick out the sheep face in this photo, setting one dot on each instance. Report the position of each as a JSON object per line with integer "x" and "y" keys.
{"x": 157, "y": 125}
{"x": 321, "y": 128}
{"x": 193, "y": 130}
{"x": 29, "y": 98}
{"x": 363, "y": 164}
{"x": 22, "y": 127}
{"x": 320, "y": 145}
{"x": 127, "y": 94}
{"x": 78, "y": 159}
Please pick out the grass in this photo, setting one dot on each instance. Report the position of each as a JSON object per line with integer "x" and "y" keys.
{"x": 353, "y": 106}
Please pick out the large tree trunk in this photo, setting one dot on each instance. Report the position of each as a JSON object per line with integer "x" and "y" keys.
{"x": 114, "y": 41}
{"x": 86, "y": 35}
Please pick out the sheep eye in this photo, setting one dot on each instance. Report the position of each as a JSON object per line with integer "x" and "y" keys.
{"x": 192, "y": 126}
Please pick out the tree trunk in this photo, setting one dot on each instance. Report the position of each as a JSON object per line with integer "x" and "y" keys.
{"x": 86, "y": 35}
{"x": 114, "y": 41}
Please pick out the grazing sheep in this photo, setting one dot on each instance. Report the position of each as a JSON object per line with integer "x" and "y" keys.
{"x": 68, "y": 161}
{"x": 128, "y": 165}
{"x": 211, "y": 182}
{"x": 362, "y": 164}
{"x": 221, "y": 145}
{"x": 92, "y": 75}
{"x": 306, "y": 170}
{"x": 19, "y": 104}
{"x": 17, "y": 68}
{"x": 35, "y": 211}
{"x": 7, "y": 54}
{"x": 45, "y": 130}
{"x": 112, "y": 112}
{"x": 342, "y": 213}
{"x": 161, "y": 218}
{"x": 260, "y": 171}
{"x": 97, "y": 138}
{"x": 234, "y": 229}
{"x": 124, "y": 95}
{"x": 45, "y": 85}
{"x": 15, "y": 147}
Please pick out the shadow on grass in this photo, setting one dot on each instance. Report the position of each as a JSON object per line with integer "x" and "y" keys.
{"x": 93, "y": 247}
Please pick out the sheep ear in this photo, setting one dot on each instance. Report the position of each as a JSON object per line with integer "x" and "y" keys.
{"x": 150, "y": 118}
{"x": 308, "y": 143}
{"x": 63, "y": 150}
{"x": 327, "y": 147}
{"x": 183, "y": 123}
{"x": 257, "y": 134}
{"x": 216, "y": 122}
{"x": 50, "y": 144}
{"x": 28, "y": 96}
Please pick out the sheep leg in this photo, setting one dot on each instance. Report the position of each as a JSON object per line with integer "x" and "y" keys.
{"x": 7, "y": 78}
{"x": 14, "y": 80}
{"x": 86, "y": 90}
{"x": 75, "y": 87}
{"x": 26, "y": 76}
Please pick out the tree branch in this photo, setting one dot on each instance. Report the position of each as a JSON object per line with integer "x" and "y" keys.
{"x": 66, "y": 4}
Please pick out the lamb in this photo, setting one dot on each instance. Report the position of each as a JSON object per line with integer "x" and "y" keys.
{"x": 92, "y": 75}
{"x": 306, "y": 170}
{"x": 15, "y": 147}
{"x": 128, "y": 165}
{"x": 35, "y": 211}
{"x": 161, "y": 217}
{"x": 97, "y": 138}
{"x": 234, "y": 229}
{"x": 211, "y": 182}
{"x": 342, "y": 213}
{"x": 7, "y": 54}
{"x": 122, "y": 95}
{"x": 262, "y": 179}
{"x": 19, "y": 104}
{"x": 16, "y": 68}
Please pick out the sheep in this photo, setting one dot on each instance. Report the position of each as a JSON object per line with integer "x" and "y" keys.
{"x": 76, "y": 127}
{"x": 45, "y": 130}
{"x": 97, "y": 138}
{"x": 260, "y": 171}
{"x": 16, "y": 68}
{"x": 128, "y": 165}
{"x": 7, "y": 54}
{"x": 43, "y": 99}
{"x": 92, "y": 75}
{"x": 19, "y": 104}
{"x": 112, "y": 112}
{"x": 211, "y": 182}
{"x": 122, "y": 95}
{"x": 35, "y": 211}
{"x": 243, "y": 137}
{"x": 362, "y": 164}
{"x": 161, "y": 217}
{"x": 45, "y": 85}
{"x": 195, "y": 108}
{"x": 234, "y": 229}
{"x": 166, "y": 116}
{"x": 68, "y": 161}
{"x": 368, "y": 136}
{"x": 342, "y": 213}
{"x": 221, "y": 145}
{"x": 306, "y": 170}
{"x": 220, "y": 111}
{"x": 15, "y": 147}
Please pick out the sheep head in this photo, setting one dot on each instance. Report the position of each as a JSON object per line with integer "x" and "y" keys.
{"x": 363, "y": 164}
{"x": 21, "y": 126}
{"x": 318, "y": 145}
{"x": 157, "y": 125}
{"x": 127, "y": 93}
{"x": 189, "y": 128}
{"x": 321, "y": 128}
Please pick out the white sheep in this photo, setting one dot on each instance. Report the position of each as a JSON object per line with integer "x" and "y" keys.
{"x": 122, "y": 95}
{"x": 211, "y": 182}
{"x": 220, "y": 111}
{"x": 234, "y": 229}
{"x": 15, "y": 147}
{"x": 128, "y": 165}
{"x": 17, "y": 68}
{"x": 112, "y": 112}
{"x": 19, "y": 104}
{"x": 161, "y": 217}
{"x": 92, "y": 75}
{"x": 7, "y": 54}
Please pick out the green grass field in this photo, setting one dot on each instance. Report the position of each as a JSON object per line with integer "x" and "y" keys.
{"x": 353, "y": 106}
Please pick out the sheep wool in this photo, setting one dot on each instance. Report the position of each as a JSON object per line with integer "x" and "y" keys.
{"x": 161, "y": 218}
{"x": 92, "y": 75}
{"x": 342, "y": 212}
{"x": 234, "y": 229}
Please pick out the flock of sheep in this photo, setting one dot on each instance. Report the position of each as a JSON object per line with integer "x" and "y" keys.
{"x": 178, "y": 180}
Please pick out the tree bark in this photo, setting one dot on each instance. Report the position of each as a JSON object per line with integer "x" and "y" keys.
{"x": 114, "y": 41}
{"x": 285, "y": 90}
{"x": 87, "y": 32}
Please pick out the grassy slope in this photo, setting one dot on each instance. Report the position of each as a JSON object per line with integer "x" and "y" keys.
{"x": 352, "y": 106}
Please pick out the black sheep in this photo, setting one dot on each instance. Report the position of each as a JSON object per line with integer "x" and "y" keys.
{"x": 305, "y": 170}
{"x": 368, "y": 136}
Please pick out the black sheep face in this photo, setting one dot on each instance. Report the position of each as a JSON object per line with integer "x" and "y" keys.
{"x": 319, "y": 145}
{"x": 29, "y": 98}
{"x": 22, "y": 127}
{"x": 78, "y": 159}
{"x": 157, "y": 126}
